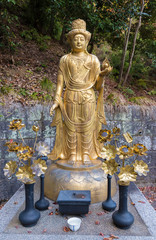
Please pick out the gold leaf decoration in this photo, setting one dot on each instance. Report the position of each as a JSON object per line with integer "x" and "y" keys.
{"x": 10, "y": 168}
{"x": 16, "y": 124}
{"x": 110, "y": 167}
{"x": 35, "y": 128}
{"x": 42, "y": 149}
{"x": 25, "y": 152}
{"x": 116, "y": 131}
{"x": 139, "y": 149}
{"x": 105, "y": 135}
{"x": 140, "y": 167}
{"x": 126, "y": 175}
{"x": 39, "y": 167}
{"x": 108, "y": 152}
{"x": 128, "y": 137}
{"x": 125, "y": 152}
{"x": 25, "y": 174}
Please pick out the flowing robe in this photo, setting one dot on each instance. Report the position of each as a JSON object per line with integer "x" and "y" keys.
{"x": 77, "y": 119}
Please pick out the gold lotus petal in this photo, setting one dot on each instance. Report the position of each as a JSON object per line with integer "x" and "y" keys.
{"x": 108, "y": 152}
{"x": 128, "y": 137}
{"x": 25, "y": 153}
{"x": 125, "y": 154}
{"x": 35, "y": 128}
{"x": 110, "y": 167}
{"x": 25, "y": 174}
{"x": 127, "y": 174}
{"x": 10, "y": 168}
{"x": 140, "y": 167}
{"x": 106, "y": 138}
{"x": 39, "y": 167}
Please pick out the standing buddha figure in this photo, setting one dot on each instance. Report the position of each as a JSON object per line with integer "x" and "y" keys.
{"x": 78, "y": 116}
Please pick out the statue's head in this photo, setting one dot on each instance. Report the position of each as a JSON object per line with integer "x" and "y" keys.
{"x": 79, "y": 37}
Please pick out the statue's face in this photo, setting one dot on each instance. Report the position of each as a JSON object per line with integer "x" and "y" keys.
{"x": 79, "y": 42}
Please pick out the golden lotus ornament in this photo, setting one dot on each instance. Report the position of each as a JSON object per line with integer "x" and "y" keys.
{"x": 10, "y": 168}
{"x": 110, "y": 166}
{"x": 141, "y": 168}
{"x": 116, "y": 131}
{"x": 12, "y": 146}
{"x": 139, "y": 149}
{"x": 35, "y": 128}
{"x": 25, "y": 153}
{"x": 126, "y": 175}
{"x": 105, "y": 135}
{"x": 125, "y": 152}
{"x": 39, "y": 167}
{"x": 16, "y": 124}
{"x": 42, "y": 149}
{"x": 25, "y": 175}
{"x": 108, "y": 152}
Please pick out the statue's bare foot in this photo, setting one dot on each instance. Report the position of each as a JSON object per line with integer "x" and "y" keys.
{"x": 72, "y": 159}
{"x": 86, "y": 159}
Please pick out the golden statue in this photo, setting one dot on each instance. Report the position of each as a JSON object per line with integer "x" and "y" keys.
{"x": 78, "y": 120}
{"x": 79, "y": 72}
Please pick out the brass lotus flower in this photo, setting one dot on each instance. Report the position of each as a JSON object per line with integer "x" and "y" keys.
{"x": 125, "y": 152}
{"x": 12, "y": 146}
{"x": 108, "y": 152}
{"x": 139, "y": 149}
{"x": 105, "y": 135}
{"x": 42, "y": 149}
{"x": 39, "y": 167}
{"x": 110, "y": 167}
{"x": 116, "y": 131}
{"x": 140, "y": 167}
{"x": 16, "y": 124}
{"x": 35, "y": 128}
{"x": 25, "y": 152}
{"x": 126, "y": 175}
{"x": 25, "y": 174}
{"x": 10, "y": 168}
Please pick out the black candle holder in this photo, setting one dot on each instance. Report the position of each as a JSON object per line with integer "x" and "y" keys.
{"x": 42, "y": 204}
{"x": 109, "y": 205}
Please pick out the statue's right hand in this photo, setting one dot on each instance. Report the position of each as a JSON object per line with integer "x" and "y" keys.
{"x": 55, "y": 105}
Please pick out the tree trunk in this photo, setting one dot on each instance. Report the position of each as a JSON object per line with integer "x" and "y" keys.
{"x": 134, "y": 43}
{"x": 124, "y": 51}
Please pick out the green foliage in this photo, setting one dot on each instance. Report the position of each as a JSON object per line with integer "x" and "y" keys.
{"x": 152, "y": 92}
{"x": 47, "y": 85}
{"x": 6, "y": 89}
{"x": 23, "y": 92}
{"x": 41, "y": 40}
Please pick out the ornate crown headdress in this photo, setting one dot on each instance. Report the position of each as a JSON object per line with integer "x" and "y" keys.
{"x": 79, "y": 26}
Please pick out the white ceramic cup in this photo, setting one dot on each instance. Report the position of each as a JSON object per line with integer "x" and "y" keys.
{"x": 74, "y": 223}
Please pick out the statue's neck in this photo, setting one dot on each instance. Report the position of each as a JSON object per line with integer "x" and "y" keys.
{"x": 79, "y": 54}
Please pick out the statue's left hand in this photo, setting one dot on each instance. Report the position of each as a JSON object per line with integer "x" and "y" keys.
{"x": 106, "y": 71}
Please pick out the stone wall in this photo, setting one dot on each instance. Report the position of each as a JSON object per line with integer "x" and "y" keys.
{"x": 128, "y": 118}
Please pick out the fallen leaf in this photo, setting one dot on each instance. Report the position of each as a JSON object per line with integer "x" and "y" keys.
{"x": 114, "y": 237}
{"x": 29, "y": 231}
{"x": 15, "y": 202}
{"x": 141, "y": 202}
{"x": 101, "y": 234}
{"x": 51, "y": 213}
{"x": 90, "y": 212}
{"x": 66, "y": 229}
{"x": 16, "y": 226}
{"x": 133, "y": 203}
{"x": 44, "y": 230}
{"x": 97, "y": 223}
{"x": 54, "y": 202}
{"x": 109, "y": 238}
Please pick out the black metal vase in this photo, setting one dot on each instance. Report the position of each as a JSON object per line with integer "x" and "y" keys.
{"x": 42, "y": 204}
{"x": 109, "y": 204}
{"x": 122, "y": 218}
{"x": 30, "y": 216}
